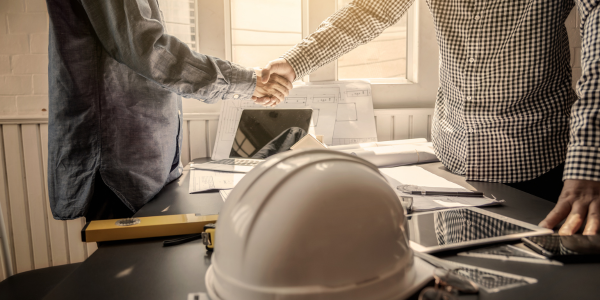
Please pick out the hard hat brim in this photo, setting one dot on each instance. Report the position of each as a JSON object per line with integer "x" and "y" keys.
{"x": 423, "y": 274}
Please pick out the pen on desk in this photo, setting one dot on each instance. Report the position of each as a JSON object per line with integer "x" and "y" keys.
{"x": 452, "y": 194}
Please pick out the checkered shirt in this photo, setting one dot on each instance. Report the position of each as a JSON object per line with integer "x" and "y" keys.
{"x": 505, "y": 98}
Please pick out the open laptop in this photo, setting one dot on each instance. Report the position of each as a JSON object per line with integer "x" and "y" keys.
{"x": 260, "y": 134}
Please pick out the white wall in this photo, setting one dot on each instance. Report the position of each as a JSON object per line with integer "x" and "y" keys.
{"x": 23, "y": 57}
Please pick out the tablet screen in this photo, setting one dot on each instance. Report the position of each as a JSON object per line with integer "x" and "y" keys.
{"x": 456, "y": 226}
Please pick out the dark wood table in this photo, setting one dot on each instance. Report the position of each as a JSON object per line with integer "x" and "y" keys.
{"x": 143, "y": 269}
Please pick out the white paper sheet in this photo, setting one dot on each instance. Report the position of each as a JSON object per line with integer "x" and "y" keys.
{"x": 418, "y": 177}
{"x": 377, "y": 144}
{"x": 342, "y": 113}
{"x": 224, "y": 194}
{"x": 202, "y": 180}
{"x": 395, "y": 155}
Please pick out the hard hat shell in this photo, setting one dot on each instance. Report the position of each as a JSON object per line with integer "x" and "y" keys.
{"x": 314, "y": 224}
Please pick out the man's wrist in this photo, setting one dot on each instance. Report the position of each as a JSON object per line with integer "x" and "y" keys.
{"x": 297, "y": 62}
{"x": 582, "y": 163}
{"x": 242, "y": 83}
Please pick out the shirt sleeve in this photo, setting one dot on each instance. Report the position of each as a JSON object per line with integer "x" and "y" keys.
{"x": 132, "y": 33}
{"x": 356, "y": 24}
{"x": 583, "y": 156}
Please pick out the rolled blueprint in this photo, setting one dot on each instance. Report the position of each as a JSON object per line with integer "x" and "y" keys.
{"x": 397, "y": 155}
{"x": 377, "y": 144}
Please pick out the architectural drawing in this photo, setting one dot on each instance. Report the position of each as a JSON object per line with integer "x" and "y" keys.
{"x": 342, "y": 113}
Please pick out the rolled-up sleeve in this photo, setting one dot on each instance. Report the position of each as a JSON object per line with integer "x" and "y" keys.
{"x": 583, "y": 156}
{"x": 356, "y": 24}
{"x": 132, "y": 33}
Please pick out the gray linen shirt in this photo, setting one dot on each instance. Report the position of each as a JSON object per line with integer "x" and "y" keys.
{"x": 115, "y": 83}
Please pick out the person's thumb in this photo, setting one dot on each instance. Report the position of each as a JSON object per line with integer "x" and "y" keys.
{"x": 266, "y": 73}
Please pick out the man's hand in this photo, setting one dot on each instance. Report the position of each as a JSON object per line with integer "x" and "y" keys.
{"x": 271, "y": 91}
{"x": 281, "y": 67}
{"x": 579, "y": 199}
{"x": 275, "y": 68}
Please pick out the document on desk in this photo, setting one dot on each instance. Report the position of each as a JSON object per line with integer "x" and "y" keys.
{"x": 342, "y": 112}
{"x": 202, "y": 180}
{"x": 224, "y": 194}
{"x": 416, "y": 178}
{"x": 396, "y": 155}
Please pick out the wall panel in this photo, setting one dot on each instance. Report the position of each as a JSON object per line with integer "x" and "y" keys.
{"x": 57, "y": 230}
{"x": 32, "y": 159}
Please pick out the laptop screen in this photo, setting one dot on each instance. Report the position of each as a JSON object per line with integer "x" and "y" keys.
{"x": 265, "y": 132}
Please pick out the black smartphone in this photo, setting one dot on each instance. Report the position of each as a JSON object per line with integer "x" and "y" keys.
{"x": 568, "y": 249}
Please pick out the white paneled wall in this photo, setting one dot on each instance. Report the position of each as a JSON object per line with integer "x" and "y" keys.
{"x": 200, "y": 131}
{"x": 36, "y": 239}
{"x": 400, "y": 124}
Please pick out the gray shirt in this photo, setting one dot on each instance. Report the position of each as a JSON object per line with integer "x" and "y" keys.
{"x": 115, "y": 84}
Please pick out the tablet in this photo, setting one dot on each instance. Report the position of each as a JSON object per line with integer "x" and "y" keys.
{"x": 465, "y": 227}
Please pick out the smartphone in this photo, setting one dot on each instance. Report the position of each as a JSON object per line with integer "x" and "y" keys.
{"x": 567, "y": 249}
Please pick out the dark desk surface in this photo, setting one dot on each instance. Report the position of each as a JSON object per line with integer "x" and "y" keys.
{"x": 143, "y": 269}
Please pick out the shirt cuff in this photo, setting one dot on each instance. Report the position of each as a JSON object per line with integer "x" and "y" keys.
{"x": 242, "y": 83}
{"x": 298, "y": 62}
{"x": 582, "y": 163}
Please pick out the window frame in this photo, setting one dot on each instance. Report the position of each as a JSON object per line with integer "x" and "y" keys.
{"x": 418, "y": 90}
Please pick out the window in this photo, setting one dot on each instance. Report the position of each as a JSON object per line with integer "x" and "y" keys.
{"x": 383, "y": 57}
{"x": 402, "y": 63}
{"x": 262, "y": 30}
{"x": 180, "y": 18}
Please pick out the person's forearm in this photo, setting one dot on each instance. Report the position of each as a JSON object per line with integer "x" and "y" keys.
{"x": 583, "y": 156}
{"x": 352, "y": 26}
{"x": 131, "y": 32}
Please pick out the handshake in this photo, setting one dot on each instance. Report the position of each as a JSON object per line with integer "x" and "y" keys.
{"x": 273, "y": 83}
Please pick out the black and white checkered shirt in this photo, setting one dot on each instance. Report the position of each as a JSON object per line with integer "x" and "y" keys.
{"x": 505, "y": 98}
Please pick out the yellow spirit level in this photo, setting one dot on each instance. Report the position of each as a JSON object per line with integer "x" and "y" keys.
{"x": 145, "y": 227}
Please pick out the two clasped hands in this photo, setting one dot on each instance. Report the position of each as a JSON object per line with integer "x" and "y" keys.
{"x": 273, "y": 83}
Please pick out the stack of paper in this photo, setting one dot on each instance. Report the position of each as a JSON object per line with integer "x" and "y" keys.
{"x": 224, "y": 194}
{"x": 415, "y": 178}
{"x": 392, "y": 153}
{"x": 377, "y": 144}
{"x": 202, "y": 180}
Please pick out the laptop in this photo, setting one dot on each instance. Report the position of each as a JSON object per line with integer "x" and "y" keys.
{"x": 262, "y": 133}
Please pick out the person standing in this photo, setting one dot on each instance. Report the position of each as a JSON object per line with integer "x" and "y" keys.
{"x": 116, "y": 79}
{"x": 505, "y": 110}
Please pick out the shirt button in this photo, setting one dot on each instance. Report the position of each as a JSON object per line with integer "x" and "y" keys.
{"x": 236, "y": 96}
{"x": 469, "y": 98}
{"x": 471, "y": 60}
{"x": 477, "y": 18}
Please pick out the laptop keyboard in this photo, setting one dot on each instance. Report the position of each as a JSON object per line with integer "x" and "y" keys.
{"x": 237, "y": 162}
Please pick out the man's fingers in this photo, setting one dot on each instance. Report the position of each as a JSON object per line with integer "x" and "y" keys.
{"x": 283, "y": 81}
{"x": 593, "y": 219}
{"x": 266, "y": 73}
{"x": 277, "y": 94}
{"x": 574, "y": 220}
{"x": 268, "y": 101}
{"x": 559, "y": 213}
{"x": 274, "y": 101}
{"x": 280, "y": 88}
{"x": 261, "y": 100}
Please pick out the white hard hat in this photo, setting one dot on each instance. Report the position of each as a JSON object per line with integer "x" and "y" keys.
{"x": 314, "y": 224}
